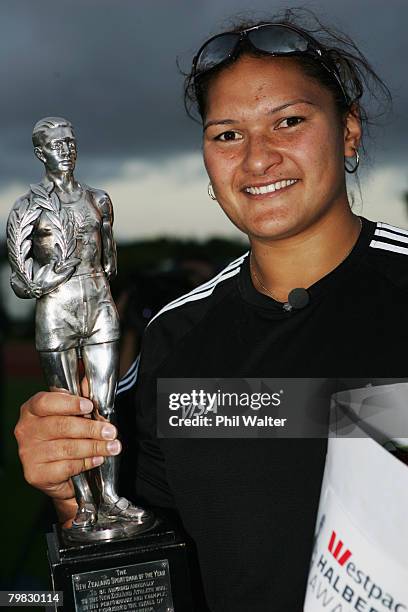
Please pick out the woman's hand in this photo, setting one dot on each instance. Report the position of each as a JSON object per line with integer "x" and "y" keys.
{"x": 54, "y": 444}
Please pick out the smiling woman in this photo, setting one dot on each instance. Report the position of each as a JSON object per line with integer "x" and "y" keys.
{"x": 275, "y": 155}
{"x": 318, "y": 296}
{"x": 276, "y": 149}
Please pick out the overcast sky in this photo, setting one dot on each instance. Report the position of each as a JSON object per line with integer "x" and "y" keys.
{"x": 110, "y": 67}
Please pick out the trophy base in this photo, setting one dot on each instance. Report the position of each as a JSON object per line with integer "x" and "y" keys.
{"x": 110, "y": 529}
{"x": 147, "y": 571}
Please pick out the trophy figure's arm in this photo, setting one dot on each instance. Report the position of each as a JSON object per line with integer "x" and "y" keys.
{"x": 109, "y": 257}
{"x": 45, "y": 280}
{"x": 29, "y": 279}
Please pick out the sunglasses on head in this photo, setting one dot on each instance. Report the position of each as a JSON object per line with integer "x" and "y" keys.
{"x": 275, "y": 39}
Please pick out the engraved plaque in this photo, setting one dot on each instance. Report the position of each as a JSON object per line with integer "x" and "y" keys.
{"x": 142, "y": 587}
{"x": 144, "y": 573}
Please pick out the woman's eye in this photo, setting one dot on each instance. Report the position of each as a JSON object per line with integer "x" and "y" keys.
{"x": 290, "y": 122}
{"x": 229, "y": 135}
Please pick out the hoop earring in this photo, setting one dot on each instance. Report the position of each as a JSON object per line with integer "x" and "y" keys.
{"x": 353, "y": 169}
{"x": 210, "y": 191}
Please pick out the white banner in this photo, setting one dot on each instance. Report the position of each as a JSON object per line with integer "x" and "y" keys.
{"x": 360, "y": 556}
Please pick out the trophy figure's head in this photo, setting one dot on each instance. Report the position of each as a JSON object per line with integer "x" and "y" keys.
{"x": 55, "y": 144}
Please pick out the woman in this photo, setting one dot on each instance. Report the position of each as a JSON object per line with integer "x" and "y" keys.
{"x": 281, "y": 117}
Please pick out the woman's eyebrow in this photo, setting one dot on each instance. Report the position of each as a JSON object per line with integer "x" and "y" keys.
{"x": 218, "y": 122}
{"x": 291, "y": 103}
{"x": 271, "y": 111}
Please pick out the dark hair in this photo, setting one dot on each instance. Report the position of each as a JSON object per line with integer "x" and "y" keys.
{"x": 357, "y": 76}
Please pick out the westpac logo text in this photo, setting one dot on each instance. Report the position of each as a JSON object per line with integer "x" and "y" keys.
{"x": 347, "y": 587}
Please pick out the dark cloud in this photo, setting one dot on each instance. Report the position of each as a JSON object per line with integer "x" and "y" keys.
{"x": 110, "y": 66}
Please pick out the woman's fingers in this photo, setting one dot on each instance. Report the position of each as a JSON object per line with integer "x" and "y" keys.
{"x": 54, "y": 478}
{"x": 71, "y": 449}
{"x": 55, "y": 445}
{"x": 47, "y": 403}
{"x": 31, "y": 428}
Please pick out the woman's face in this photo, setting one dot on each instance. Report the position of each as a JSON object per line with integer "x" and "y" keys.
{"x": 274, "y": 147}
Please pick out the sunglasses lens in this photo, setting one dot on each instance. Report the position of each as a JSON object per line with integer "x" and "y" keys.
{"x": 278, "y": 39}
{"x": 216, "y": 51}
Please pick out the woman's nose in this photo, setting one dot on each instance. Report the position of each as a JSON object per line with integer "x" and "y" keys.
{"x": 261, "y": 154}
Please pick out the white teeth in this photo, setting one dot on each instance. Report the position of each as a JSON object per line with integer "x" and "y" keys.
{"x": 271, "y": 188}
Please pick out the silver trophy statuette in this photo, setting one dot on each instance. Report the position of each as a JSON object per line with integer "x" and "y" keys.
{"x": 61, "y": 250}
